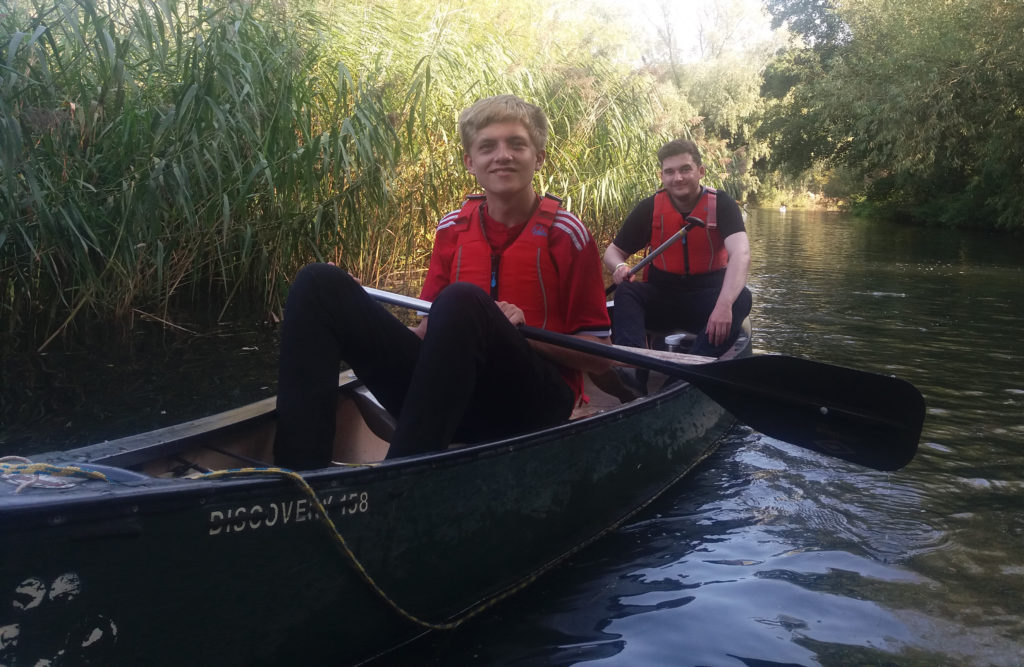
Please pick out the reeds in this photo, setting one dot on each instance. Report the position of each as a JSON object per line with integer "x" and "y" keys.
{"x": 156, "y": 155}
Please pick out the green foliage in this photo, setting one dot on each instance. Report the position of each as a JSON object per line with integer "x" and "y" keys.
{"x": 923, "y": 104}
{"x": 817, "y": 21}
{"x": 726, "y": 94}
{"x": 719, "y": 93}
{"x": 153, "y": 152}
{"x": 159, "y": 155}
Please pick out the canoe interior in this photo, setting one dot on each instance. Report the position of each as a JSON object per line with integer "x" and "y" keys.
{"x": 244, "y": 437}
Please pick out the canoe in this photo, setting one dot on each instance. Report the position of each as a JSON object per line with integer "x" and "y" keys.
{"x": 186, "y": 546}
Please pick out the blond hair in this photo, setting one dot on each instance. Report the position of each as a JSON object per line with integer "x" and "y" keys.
{"x": 503, "y": 109}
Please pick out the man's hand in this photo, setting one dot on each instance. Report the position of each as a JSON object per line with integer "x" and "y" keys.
{"x": 720, "y": 323}
{"x": 615, "y": 261}
{"x": 621, "y": 273}
{"x": 512, "y": 312}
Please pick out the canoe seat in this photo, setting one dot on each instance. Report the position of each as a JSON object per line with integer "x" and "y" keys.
{"x": 680, "y": 341}
{"x": 363, "y": 428}
{"x": 673, "y": 340}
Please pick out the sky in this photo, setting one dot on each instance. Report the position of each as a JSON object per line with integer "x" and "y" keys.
{"x": 740, "y": 23}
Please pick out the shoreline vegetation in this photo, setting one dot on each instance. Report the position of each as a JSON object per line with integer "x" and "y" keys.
{"x": 159, "y": 158}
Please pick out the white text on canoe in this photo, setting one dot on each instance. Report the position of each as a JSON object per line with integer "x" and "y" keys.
{"x": 271, "y": 514}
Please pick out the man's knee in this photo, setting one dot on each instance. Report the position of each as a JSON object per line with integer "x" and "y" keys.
{"x": 318, "y": 275}
{"x": 629, "y": 292}
{"x": 463, "y": 298}
{"x": 744, "y": 302}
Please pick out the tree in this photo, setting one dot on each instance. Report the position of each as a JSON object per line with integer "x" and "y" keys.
{"x": 713, "y": 55}
{"x": 923, "y": 104}
{"x": 816, "y": 21}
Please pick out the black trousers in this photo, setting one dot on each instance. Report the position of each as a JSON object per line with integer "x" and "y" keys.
{"x": 472, "y": 378}
{"x": 649, "y": 305}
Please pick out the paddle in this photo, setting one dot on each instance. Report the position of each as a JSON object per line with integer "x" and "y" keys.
{"x": 678, "y": 236}
{"x": 870, "y": 419}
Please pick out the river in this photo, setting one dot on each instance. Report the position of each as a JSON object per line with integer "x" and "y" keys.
{"x": 768, "y": 554}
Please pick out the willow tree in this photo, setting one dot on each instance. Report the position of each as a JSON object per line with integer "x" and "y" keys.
{"x": 921, "y": 103}
{"x": 938, "y": 125}
{"x": 714, "y": 55}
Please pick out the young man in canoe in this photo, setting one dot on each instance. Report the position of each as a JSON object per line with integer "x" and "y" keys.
{"x": 465, "y": 374}
{"x": 697, "y": 284}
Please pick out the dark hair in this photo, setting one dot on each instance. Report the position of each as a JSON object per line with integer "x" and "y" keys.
{"x": 679, "y": 147}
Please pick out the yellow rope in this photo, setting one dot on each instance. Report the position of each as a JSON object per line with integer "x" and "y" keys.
{"x": 473, "y": 610}
{"x": 339, "y": 540}
{"x": 337, "y": 537}
{"x": 16, "y": 465}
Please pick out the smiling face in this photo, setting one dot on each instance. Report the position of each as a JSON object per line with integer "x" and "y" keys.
{"x": 504, "y": 159}
{"x": 680, "y": 176}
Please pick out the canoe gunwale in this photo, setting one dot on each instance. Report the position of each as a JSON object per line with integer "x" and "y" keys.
{"x": 166, "y": 442}
{"x": 97, "y": 494}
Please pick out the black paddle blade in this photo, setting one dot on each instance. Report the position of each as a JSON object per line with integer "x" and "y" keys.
{"x": 870, "y": 419}
{"x": 874, "y": 420}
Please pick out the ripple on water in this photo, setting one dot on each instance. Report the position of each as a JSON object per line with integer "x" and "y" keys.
{"x": 726, "y": 550}
{"x": 843, "y": 504}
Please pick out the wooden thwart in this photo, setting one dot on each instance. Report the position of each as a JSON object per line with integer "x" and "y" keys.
{"x": 665, "y": 355}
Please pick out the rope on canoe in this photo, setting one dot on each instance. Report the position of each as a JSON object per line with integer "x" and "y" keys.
{"x": 474, "y": 609}
{"x": 13, "y": 467}
{"x": 25, "y": 473}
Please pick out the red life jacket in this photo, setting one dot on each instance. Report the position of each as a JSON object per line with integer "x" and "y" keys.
{"x": 702, "y": 249}
{"x": 523, "y": 273}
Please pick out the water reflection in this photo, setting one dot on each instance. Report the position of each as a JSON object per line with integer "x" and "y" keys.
{"x": 113, "y": 388}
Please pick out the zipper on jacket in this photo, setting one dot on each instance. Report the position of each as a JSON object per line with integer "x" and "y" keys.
{"x": 495, "y": 261}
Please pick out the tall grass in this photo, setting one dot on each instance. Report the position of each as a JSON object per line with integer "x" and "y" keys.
{"x": 158, "y": 155}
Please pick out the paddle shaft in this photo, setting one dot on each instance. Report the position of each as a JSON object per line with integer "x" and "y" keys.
{"x": 874, "y": 420}
{"x": 693, "y": 221}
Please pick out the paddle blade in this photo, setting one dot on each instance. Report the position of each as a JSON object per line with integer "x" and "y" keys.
{"x": 870, "y": 419}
